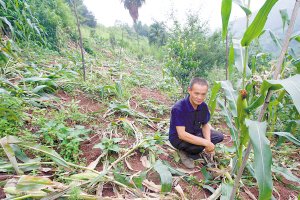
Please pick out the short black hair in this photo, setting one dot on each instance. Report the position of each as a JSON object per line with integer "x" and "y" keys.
{"x": 197, "y": 80}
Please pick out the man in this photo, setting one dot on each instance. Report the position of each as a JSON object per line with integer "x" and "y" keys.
{"x": 189, "y": 130}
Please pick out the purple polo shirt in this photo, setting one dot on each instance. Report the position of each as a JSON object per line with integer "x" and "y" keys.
{"x": 183, "y": 114}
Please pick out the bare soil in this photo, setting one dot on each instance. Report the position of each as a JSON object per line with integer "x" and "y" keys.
{"x": 146, "y": 94}
{"x": 86, "y": 104}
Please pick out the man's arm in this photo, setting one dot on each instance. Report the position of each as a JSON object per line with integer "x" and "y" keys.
{"x": 185, "y": 136}
{"x": 206, "y": 131}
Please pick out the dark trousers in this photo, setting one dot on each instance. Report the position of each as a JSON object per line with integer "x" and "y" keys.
{"x": 215, "y": 136}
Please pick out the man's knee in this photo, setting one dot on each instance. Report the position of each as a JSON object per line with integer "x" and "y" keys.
{"x": 216, "y": 137}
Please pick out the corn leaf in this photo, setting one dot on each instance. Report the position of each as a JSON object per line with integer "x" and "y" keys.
{"x": 49, "y": 152}
{"x": 231, "y": 96}
{"x": 32, "y": 183}
{"x": 245, "y": 9}
{"x": 226, "y": 189}
{"x": 288, "y": 136}
{"x": 225, "y": 12}
{"x": 262, "y": 157}
{"x": 213, "y": 97}
{"x": 232, "y": 128}
{"x": 5, "y": 143}
{"x": 230, "y": 61}
{"x": 275, "y": 39}
{"x": 284, "y": 17}
{"x": 258, "y": 23}
{"x": 165, "y": 176}
{"x": 291, "y": 85}
{"x": 286, "y": 173}
{"x": 239, "y": 54}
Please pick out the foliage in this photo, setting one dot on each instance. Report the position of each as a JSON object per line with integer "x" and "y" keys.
{"x": 247, "y": 127}
{"x": 18, "y": 22}
{"x": 157, "y": 34}
{"x": 152, "y": 142}
{"x": 109, "y": 145}
{"x": 192, "y": 52}
{"x": 86, "y": 17}
{"x": 141, "y": 29}
{"x": 67, "y": 139}
{"x": 57, "y": 20}
{"x": 10, "y": 115}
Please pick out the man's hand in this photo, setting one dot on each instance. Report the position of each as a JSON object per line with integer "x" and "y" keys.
{"x": 210, "y": 148}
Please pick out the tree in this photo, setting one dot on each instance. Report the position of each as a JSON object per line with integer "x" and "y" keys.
{"x": 157, "y": 34}
{"x": 192, "y": 51}
{"x": 86, "y": 16}
{"x": 133, "y": 7}
{"x": 80, "y": 38}
{"x": 141, "y": 29}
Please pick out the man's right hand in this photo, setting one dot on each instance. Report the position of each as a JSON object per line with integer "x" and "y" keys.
{"x": 210, "y": 147}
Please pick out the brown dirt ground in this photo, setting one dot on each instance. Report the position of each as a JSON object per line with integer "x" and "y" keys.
{"x": 86, "y": 105}
{"x": 146, "y": 93}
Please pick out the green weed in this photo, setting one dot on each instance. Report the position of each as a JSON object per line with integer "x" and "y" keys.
{"x": 66, "y": 139}
{"x": 109, "y": 145}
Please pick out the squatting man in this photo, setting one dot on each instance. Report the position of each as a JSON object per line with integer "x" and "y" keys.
{"x": 190, "y": 131}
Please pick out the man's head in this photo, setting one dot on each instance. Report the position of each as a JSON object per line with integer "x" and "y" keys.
{"x": 197, "y": 89}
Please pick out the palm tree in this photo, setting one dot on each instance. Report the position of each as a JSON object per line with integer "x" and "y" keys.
{"x": 133, "y": 7}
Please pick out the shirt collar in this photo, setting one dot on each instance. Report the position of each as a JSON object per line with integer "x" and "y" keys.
{"x": 189, "y": 105}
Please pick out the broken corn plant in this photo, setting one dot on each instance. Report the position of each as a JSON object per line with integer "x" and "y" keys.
{"x": 43, "y": 188}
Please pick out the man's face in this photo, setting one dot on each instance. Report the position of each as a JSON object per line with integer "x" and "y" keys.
{"x": 197, "y": 93}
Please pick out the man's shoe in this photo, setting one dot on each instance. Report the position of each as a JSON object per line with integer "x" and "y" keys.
{"x": 188, "y": 162}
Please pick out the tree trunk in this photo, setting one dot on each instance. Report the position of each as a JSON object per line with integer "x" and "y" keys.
{"x": 80, "y": 38}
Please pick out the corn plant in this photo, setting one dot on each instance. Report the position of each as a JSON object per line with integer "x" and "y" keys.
{"x": 17, "y": 21}
{"x": 248, "y": 130}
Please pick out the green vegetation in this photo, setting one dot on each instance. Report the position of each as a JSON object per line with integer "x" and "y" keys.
{"x": 106, "y": 136}
{"x": 192, "y": 51}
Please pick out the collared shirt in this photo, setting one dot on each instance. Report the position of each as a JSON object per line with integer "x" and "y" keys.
{"x": 183, "y": 114}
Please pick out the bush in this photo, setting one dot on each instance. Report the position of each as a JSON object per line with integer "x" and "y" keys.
{"x": 10, "y": 115}
{"x": 192, "y": 51}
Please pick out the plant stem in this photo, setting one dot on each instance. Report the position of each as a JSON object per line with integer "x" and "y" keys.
{"x": 267, "y": 100}
{"x": 245, "y": 63}
{"x": 82, "y": 167}
{"x": 227, "y": 62}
